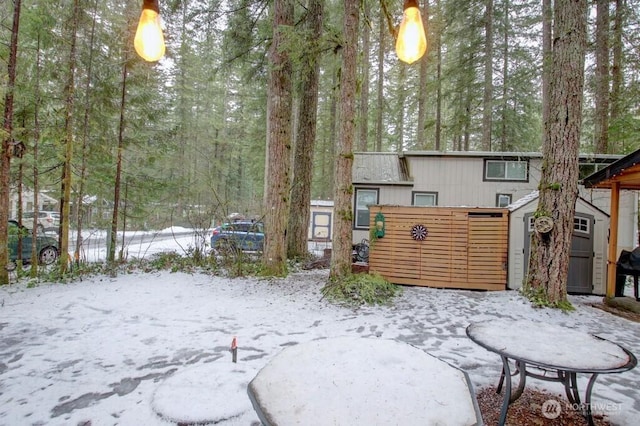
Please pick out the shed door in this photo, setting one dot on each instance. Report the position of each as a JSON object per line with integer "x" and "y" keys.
{"x": 581, "y": 258}
{"x": 581, "y": 261}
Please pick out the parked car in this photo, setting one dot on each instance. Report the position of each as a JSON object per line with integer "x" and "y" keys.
{"x": 47, "y": 247}
{"x": 47, "y": 220}
{"x": 240, "y": 235}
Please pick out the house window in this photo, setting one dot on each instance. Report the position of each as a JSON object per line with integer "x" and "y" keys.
{"x": 364, "y": 199}
{"x": 503, "y": 200}
{"x": 587, "y": 169}
{"x": 424, "y": 199}
{"x": 512, "y": 170}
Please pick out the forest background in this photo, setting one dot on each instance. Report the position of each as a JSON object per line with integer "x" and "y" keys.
{"x": 184, "y": 139}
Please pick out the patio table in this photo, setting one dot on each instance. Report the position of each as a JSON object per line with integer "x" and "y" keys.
{"x": 549, "y": 352}
{"x": 362, "y": 381}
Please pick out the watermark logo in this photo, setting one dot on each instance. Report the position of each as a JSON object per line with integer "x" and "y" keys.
{"x": 551, "y": 409}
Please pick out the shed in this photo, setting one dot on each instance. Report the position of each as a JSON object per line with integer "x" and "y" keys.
{"x": 444, "y": 247}
{"x": 587, "y": 264}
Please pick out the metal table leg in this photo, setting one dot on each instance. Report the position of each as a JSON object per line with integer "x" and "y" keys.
{"x": 587, "y": 398}
{"x": 506, "y": 371}
{"x": 570, "y": 383}
{"x": 510, "y": 394}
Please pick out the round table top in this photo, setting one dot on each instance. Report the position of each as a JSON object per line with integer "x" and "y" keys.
{"x": 362, "y": 381}
{"x": 552, "y": 346}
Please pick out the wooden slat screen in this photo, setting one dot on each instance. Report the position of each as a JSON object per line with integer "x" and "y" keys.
{"x": 465, "y": 248}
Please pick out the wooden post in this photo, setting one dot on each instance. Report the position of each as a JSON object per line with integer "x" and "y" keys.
{"x": 613, "y": 240}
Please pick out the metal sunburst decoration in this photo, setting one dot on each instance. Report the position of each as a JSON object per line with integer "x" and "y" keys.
{"x": 419, "y": 232}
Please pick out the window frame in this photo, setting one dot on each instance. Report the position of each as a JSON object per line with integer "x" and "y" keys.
{"x": 582, "y": 225}
{"x": 502, "y": 194}
{"x": 356, "y": 224}
{"x": 433, "y": 193}
{"x": 506, "y": 162}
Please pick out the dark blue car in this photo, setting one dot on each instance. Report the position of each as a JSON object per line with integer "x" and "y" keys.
{"x": 240, "y": 235}
{"x": 47, "y": 247}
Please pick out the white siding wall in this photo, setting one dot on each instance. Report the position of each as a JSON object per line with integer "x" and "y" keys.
{"x": 459, "y": 181}
{"x": 627, "y": 219}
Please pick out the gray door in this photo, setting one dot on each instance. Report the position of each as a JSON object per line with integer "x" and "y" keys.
{"x": 581, "y": 258}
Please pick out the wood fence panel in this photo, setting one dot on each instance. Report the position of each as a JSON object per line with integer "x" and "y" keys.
{"x": 464, "y": 247}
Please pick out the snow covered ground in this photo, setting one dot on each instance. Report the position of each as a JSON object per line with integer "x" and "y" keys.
{"x": 153, "y": 349}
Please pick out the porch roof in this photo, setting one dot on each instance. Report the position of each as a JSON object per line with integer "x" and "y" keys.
{"x": 625, "y": 172}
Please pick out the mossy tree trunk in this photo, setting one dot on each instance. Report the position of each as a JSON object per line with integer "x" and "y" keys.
{"x": 7, "y": 144}
{"x": 306, "y": 135}
{"x": 343, "y": 188}
{"x": 279, "y": 111}
{"x": 549, "y": 260}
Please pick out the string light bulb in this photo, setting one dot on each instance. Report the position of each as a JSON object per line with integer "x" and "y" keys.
{"x": 149, "y": 40}
{"x": 411, "y": 43}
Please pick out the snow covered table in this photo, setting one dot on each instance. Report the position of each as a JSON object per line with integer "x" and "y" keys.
{"x": 549, "y": 349}
{"x": 360, "y": 381}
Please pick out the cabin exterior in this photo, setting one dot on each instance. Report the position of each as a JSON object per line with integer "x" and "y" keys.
{"x": 488, "y": 180}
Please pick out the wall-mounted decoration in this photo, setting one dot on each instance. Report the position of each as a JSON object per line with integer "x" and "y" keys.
{"x": 543, "y": 224}
{"x": 419, "y": 232}
{"x": 380, "y": 225}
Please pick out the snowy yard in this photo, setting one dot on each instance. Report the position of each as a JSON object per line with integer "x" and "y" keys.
{"x": 153, "y": 349}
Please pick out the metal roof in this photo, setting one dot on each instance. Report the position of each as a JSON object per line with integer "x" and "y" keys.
{"x": 380, "y": 168}
{"x": 625, "y": 171}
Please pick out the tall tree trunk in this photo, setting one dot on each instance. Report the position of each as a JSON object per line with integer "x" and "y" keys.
{"x": 85, "y": 141}
{"x": 343, "y": 188}
{"x": 7, "y": 144}
{"x": 306, "y": 136}
{"x": 333, "y": 122}
{"x": 33, "y": 272}
{"x": 468, "y": 100}
{"x": 547, "y": 22}
{"x": 380, "y": 87}
{"x": 279, "y": 145}
{"x": 364, "y": 86}
{"x": 438, "y": 127}
{"x": 601, "y": 131}
{"x": 505, "y": 78}
{"x": 19, "y": 190}
{"x": 65, "y": 198}
{"x": 402, "y": 95}
{"x": 421, "y": 142}
{"x": 113, "y": 234}
{"x": 487, "y": 103}
{"x": 616, "y": 68}
{"x": 549, "y": 259}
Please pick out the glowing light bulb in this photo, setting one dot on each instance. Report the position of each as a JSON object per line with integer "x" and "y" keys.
{"x": 412, "y": 40}
{"x": 149, "y": 40}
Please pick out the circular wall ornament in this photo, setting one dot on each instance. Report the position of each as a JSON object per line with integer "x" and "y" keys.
{"x": 543, "y": 224}
{"x": 419, "y": 232}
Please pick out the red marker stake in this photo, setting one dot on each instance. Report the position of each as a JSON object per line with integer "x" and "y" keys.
{"x": 234, "y": 350}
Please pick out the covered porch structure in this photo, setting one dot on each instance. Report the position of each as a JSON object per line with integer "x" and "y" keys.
{"x": 623, "y": 174}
